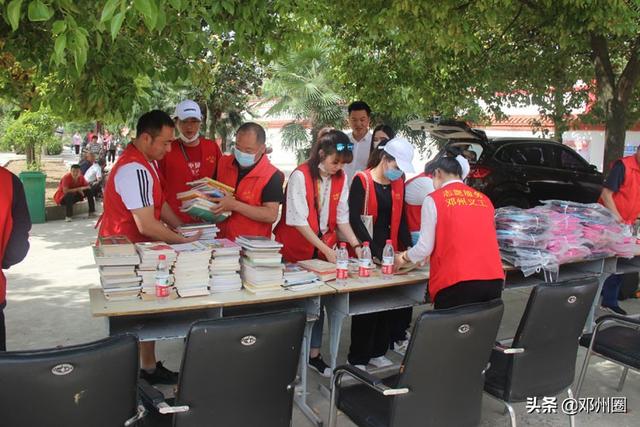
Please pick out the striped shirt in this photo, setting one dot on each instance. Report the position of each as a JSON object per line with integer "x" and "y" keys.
{"x": 135, "y": 185}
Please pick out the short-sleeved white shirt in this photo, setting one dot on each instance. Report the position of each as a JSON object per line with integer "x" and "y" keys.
{"x": 93, "y": 174}
{"x": 361, "y": 150}
{"x": 134, "y": 184}
{"x": 416, "y": 190}
{"x": 298, "y": 209}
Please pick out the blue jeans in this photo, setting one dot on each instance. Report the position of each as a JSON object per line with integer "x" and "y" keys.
{"x": 318, "y": 327}
{"x": 611, "y": 289}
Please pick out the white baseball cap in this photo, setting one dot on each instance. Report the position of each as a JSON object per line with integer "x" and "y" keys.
{"x": 188, "y": 109}
{"x": 402, "y": 151}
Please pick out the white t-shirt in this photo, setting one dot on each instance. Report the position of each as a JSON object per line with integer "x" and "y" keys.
{"x": 416, "y": 190}
{"x": 93, "y": 174}
{"x": 134, "y": 184}
{"x": 298, "y": 210}
{"x": 361, "y": 149}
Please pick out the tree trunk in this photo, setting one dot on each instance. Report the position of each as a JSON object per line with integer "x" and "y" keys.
{"x": 614, "y": 135}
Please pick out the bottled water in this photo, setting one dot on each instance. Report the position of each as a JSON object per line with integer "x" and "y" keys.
{"x": 364, "y": 268}
{"x": 387, "y": 260}
{"x": 162, "y": 280}
{"x": 342, "y": 265}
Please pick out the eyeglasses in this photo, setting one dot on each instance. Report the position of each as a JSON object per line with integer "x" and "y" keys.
{"x": 342, "y": 146}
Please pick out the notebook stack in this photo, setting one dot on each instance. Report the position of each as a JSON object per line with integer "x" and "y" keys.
{"x": 191, "y": 269}
{"x": 297, "y": 278}
{"x": 225, "y": 266}
{"x": 262, "y": 267}
{"x": 116, "y": 258}
{"x": 209, "y": 231}
{"x": 323, "y": 269}
{"x": 149, "y": 253}
{"x": 195, "y": 202}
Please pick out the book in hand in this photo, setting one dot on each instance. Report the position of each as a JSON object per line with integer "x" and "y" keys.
{"x": 211, "y": 183}
{"x": 116, "y": 246}
{"x": 199, "y": 208}
{"x": 202, "y": 193}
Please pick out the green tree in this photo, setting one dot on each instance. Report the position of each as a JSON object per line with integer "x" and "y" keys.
{"x": 300, "y": 86}
{"x": 29, "y": 133}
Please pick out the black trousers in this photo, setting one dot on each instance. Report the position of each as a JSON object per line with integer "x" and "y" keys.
{"x": 3, "y": 333}
{"x": 72, "y": 198}
{"x": 111, "y": 155}
{"x": 468, "y": 292}
{"x": 369, "y": 337}
{"x": 96, "y": 189}
{"x": 77, "y": 149}
{"x": 399, "y": 322}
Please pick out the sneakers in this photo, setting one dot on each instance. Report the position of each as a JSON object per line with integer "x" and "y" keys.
{"x": 615, "y": 310}
{"x": 380, "y": 362}
{"x": 361, "y": 367}
{"x": 400, "y": 347}
{"x": 67, "y": 219}
{"x": 160, "y": 375}
{"x": 318, "y": 365}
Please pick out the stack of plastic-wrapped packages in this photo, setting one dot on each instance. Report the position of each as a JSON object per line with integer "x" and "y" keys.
{"x": 523, "y": 237}
{"x": 567, "y": 242}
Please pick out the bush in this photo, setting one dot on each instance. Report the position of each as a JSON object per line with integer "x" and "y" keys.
{"x": 54, "y": 147}
{"x": 31, "y": 131}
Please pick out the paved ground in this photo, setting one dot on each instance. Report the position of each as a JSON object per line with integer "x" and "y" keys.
{"x": 48, "y": 306}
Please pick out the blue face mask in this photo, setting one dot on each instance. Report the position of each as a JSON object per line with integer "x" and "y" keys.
{"x": 393, "y": 174}
{"x": 244, "y": 159}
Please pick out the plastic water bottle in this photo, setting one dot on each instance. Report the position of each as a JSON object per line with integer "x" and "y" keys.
{"x": 364, "y": 268}
{"x": 342, "y": 265}
{"x": 162, "y": 279}
{"x": 388, "y": 260}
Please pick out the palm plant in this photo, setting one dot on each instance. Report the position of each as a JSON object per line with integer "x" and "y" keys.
{"x": 300, "y": 87}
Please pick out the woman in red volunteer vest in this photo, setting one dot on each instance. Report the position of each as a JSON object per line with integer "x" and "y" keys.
{"x": 134, "y": 206}
{"x": 379, "y": 192}
{"x": 191, "y": 157}
{"x": 453, "y": 216}
{"x": 621, "y": 195}
{"x": 316, "y": 206}
{"x": 258, "y": 186}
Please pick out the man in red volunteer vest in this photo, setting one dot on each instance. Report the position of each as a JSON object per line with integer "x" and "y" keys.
{"x": 621, "y": 195}
{"x": 191, "y": 157}
{"x": 458, "y": 233}
{"x": 15, "y": 224}
{"x": 134, "y": 206}
{"x": 258, "y": 186}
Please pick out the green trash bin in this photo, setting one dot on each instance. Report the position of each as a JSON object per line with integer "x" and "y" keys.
{"x": 34, "y": 185}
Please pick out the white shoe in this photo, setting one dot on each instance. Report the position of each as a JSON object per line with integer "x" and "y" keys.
{"x": 67, "y": 219}
{"x": 361, "y": 367}
{"x": 380, "y": 362}
{"x": 400, "y": 347}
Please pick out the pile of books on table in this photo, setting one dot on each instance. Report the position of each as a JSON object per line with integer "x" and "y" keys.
{"x": 209, "y": 231}
{"x": 323, "y": 269}
{"x": 225, "y": 266}
{"x": 262, "y": 267}
{"x": 116, "y": 259}
{"x": 149, "y": 253}
{"x": 191, "y": 269}
{"x": 296, "y": 278}
{"x": 195, "y": 202}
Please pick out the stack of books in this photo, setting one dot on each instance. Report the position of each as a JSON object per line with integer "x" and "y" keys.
{"x": 116, "y": 259}
{"x": 195, "y": 202}
{"x": 149, "y": 253}
{"x": 225, "y": 266}
{"x": 191, "y": 269}
{"x": 296, "y": 278}
{"x": 262, "y": 267}
{"x": 209, "y": 231}
{"x": 323, "y": 269}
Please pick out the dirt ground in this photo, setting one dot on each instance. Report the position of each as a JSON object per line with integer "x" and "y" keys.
{"x": 54, "y": 169}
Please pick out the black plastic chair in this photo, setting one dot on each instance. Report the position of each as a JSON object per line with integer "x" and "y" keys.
{"x": 237, "y": 371}
{"x": 441, "y": 378}
{"x": 91, "y": 384}
{"x": 541, "y": 361}
{"x": 617, "y": 339}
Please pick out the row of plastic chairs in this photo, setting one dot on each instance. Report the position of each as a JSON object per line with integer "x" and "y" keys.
{"x": 242, "y": 371}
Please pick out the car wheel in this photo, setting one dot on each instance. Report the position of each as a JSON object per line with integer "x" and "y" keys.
{"x": 512, "y": 200}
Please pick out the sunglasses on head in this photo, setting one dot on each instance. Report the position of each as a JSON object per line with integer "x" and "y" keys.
{"x": 342, "y": 146}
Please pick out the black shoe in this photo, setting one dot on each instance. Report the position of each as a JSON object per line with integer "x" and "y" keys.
{"x": 615, "y": 310}
{"x": 160, "y": 375}
{"x": 317, "y": 364}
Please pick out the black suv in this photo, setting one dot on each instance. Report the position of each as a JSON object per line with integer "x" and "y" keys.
{"x": 520, "y": 171}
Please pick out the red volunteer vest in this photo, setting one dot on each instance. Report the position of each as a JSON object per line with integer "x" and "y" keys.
{"x": 6, "y": 222}
{"x": 413, "y": 213}
{"x": 466, "y": 246}
{"x": 117, "y": 219}
{"x": 397, "y": 200}
{"x": 176, "y": 172}
{"x": 627, "y": 198}
{"x": 296, "y": 246}
{"x": 248, "y": 191}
